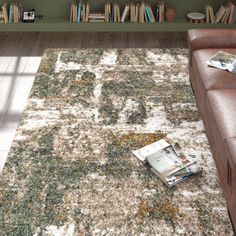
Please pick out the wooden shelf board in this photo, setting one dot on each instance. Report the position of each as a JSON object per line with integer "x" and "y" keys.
{"x": 64, "y": 26}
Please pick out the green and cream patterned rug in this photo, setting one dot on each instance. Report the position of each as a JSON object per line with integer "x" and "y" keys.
{"x": 70, "y": 170}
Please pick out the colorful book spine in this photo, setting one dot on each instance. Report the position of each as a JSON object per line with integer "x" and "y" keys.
{"x": 148, "y": 14}
{"x": 157, "y": 13}
{"x": 11, "y": 13}
{"x": 5, "y": 13}
{"x": 151, "y": 13}
{"x": 79, "y": 13}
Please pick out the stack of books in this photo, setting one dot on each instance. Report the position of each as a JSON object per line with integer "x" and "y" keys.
{"x": 79, "y": 11}
{"x": 12, "y": 13}
{"x": 96, "y": 17}
{"x": 225, "y": 14}
{"x": 168, "y": 165}
{"x": 112, "y": 12}
{"x": 133, "y": 12}
{"x": 138, "y": 12}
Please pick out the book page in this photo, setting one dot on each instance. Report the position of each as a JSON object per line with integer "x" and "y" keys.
{"x": 164, "y": 161}
{"x": 223, "y": 60}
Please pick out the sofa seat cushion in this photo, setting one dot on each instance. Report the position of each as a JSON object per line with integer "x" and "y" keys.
{"x": 221, "y": 111}
{"x": 209, "y": 77}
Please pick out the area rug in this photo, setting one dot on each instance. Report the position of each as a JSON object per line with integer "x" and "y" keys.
{"x": 71, "y": 171}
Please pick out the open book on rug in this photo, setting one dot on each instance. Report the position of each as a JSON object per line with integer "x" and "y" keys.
{"x": 224, "y": 61}
{"x": 166, "y": 164}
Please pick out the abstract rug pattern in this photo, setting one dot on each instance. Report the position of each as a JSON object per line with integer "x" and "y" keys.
{"x": 70, "y": 170}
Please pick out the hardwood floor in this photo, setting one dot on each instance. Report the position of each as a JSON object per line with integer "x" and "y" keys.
{"x": 34, "y": 43}
{"x": 20, "y": 56}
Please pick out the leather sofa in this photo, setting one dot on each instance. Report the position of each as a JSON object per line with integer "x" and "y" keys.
{"x": 215, "y": 93}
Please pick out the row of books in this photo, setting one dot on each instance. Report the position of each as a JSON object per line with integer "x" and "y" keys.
{"x": 142, "y": 12}
{"x": 112, "y": 12}
{"x": 80, "y": 12}
{"x": 225, "y": 14}
{"x": 12, "y": 13}
{"x": 133, "y": 12}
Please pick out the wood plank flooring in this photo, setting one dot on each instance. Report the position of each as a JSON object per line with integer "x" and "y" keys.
{"x": 21, "y": 53}
{"x": 34, "y": 44}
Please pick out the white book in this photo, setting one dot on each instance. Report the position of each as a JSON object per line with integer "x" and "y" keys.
{"x": 226, "y": 15}
{"x": 212, "y": 16}
{"x": 11, "y": 13}
{"x": 125, "y": 12}
{"x": 220, "y": 14}
{"x": 207, "y": 13}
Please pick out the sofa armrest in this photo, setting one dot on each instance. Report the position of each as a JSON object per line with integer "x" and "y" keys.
{"x": 210, "y": 38}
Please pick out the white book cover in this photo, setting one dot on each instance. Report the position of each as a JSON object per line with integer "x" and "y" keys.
{"x": 125, "y": 12}
{"x": 150, "y": 149}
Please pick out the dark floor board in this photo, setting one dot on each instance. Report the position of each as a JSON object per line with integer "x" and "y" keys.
{"x": 105, "y": 39}
{"x": 118, "y": 40}
{"x": 27, "y": 44}
{"x": 34, "y": 43}
{"x": 43, "y": 41}
{"x": 10, "y": 43}
{"x": 72, "y": 40}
